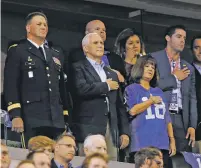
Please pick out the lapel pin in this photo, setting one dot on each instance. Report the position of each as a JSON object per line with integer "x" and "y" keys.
{"x": 30, "y": 48}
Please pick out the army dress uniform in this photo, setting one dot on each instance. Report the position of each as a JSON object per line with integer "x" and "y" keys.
{"x": 31, "y": 84}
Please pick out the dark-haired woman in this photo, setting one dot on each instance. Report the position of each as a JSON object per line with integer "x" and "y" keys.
{"x": 129, "y": 45}
{"x": 151, "y": 123}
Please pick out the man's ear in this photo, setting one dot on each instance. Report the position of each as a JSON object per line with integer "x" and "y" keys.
{"x": 56, "y": 148}
{"x": 85, "y": 49}
{"x": 86, "y": 151}
{"x": 28, "y": 28}
{"x": 147, "y": 161}
{"x": 167, "y": 38}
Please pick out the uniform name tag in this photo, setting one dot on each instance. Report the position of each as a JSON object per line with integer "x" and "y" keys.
{"x": 30, "y": 74}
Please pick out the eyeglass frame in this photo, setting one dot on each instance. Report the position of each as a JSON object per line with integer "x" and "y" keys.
{"x": 68, "y": 146}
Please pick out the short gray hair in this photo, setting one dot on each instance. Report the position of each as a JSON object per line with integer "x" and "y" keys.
{"x": 88, "y": 142}
{"x": 85, "y": 40}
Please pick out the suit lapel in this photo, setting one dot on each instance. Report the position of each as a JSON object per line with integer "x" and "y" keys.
{"x": 183, "y": 65}
{"x": 91, "y": 70}
{"x": 32, "y": 49}
{"x": 107, "y": 72}
{"x": 167, "y": 68}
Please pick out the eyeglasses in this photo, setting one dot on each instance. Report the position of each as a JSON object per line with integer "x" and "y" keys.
{"x": 70, "y": 146}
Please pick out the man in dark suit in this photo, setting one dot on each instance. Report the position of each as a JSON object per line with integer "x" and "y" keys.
{"x": 177, "y": 80}
{"x": 64, "y": 151}
{"x": 32, "y": 75}
{"x": 196, "y": 49}
{"x": 110, "y": 59}
{"x": 98, "y": 108}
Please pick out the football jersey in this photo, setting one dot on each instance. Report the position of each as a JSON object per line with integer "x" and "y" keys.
{"x": 148, "y": 128}
{"x": 194, "y": 159}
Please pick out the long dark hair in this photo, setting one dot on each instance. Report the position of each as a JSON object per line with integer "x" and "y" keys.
{"x": 120, "y": 42}
{"x": 138, "y": 70}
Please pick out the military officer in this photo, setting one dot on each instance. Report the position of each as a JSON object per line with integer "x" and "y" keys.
{"x": 33, "y": 73}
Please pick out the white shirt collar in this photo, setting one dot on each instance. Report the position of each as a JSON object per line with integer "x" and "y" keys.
{"x": 93, "y": 62}
{"x": 36, "y": 45}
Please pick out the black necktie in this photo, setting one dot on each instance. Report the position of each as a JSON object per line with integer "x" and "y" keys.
{"x": 41, "y": 51}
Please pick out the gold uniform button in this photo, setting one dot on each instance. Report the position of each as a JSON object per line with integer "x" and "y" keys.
{"x": 47, "y": 68}
{"x": 49, "y": 82}
{"x": 50, "y": 90}
{"x": 48, "y": 75}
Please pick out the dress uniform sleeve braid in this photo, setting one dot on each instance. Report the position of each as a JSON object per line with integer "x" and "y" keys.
{"x": 12, "y": 81}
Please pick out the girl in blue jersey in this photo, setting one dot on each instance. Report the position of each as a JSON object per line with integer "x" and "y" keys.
{"x": 150, "y": 120}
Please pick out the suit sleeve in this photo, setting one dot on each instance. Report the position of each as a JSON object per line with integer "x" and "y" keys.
{"x": 12, "y": 82}
{"x": 123, "y": 117}
{"x": 167, "y": 82}
{"x": 193, "y": 102}
{"x": 85, "y": 89}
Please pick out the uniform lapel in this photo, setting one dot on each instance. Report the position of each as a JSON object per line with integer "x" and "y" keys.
{"x": 35, "y": 51}
{"x": 48, "y": 53}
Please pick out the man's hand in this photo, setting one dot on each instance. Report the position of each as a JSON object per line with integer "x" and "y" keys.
{"x": 156, "y": 99}
{"x": 191, "y": 134}
{"x": 124, "y": 141}
{"x": 18, "y": 125}
{"x": 172, "y": 148}
{"x": 181, "y": 74}
{"x": 120, "y": 76}
{"x": 112, "y": 84}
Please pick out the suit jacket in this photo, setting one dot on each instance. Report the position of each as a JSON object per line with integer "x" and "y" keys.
{"x": 31, "y": 85}
{"x": 198, "y": 93}
{"x": 90, "y": 112}
{"x": 53, "y": 164}
{"x": 167, "y": 82}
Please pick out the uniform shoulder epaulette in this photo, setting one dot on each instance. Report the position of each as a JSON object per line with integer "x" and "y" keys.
{"x": 14, "y": 45}
{"x": 54, "y": 49}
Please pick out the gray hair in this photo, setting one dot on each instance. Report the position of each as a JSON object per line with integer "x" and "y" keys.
{"x": 89, "y": 140}
{"x": 85, "y": 40}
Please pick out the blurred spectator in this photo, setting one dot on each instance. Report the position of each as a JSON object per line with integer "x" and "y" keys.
{"x": 26, "y": 164}
{"x": 99, "y": 108}
{"x": 149, "y": 111}
{"x": 65, "y": 149}
{"x": 40, "y": 159}
{"x": 32, "y": 76}
{"x": 148, "y": 158}
{"x": 96, "y": 160}
{"x": 177, "y": 80}
{"x": 196, "y": 49}
{"x": 5, "y": 158}
{"x": 95, "y": 143}
{"x": 42, "y": 143}
{"x": 130, "y": 46}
